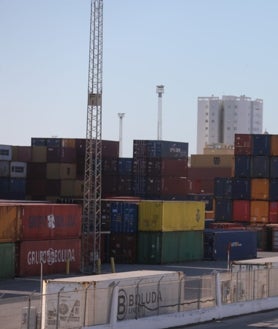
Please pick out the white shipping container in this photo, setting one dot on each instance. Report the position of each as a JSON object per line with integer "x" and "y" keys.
{"x": 87, "y": 300}
{"x": 6, "y": 152}
{"x": 18, "y": 169}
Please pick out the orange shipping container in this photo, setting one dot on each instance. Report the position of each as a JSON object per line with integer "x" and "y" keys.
{"x": 9, "y": 223}
{"x": 259, "y": 212}
{"x": 259, "y": 189}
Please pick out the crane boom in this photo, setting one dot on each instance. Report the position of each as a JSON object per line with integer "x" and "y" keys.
{"x": 91, "y": 221}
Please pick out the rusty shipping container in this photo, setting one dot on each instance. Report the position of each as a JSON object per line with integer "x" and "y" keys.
{"x": 243, "y": 144}
{"x": 36, "y": 170}
{"x": 50, "y": 221}
{"x": 53, "y": 254}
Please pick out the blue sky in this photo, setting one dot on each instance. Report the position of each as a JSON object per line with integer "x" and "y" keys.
{"x": 193, "y": 47}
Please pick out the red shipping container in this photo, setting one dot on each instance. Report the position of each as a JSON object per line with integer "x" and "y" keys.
{"x": 53, "y": 254}
{"x": 167, "y": 186}
{"x": 273, "y": 212}
{"x": 241, "y": 210}
{"x": 209, "y": 172}
{"x": 200, "y": 185}
{"x": 167, "y": 167}
{"x": 50, "y": 221}
{"x": 243, "y": 144}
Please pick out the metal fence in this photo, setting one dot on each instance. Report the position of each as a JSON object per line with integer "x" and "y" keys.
{"x": 75, "y": 308}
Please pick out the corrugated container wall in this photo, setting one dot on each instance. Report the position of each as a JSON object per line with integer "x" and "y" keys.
{"x": 6, "y": 152}
{"x": 53, "y": 254}
{"x": 169, "y": 247}
{"x": 274, "y": 145}
{"x": 261, "y": 144}
{"x": 7, "y": 256}
{"x": 9, "y": 223}
{"x": 241, "y": 243}
{"x": 171, "y": 215}
{"x": 212, "y": 160}
{"x": 243, "y": 144}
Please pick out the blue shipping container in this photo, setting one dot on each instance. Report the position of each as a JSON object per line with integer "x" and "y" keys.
{"x": 260, "y": 166}
{"x": 223, "y": 210}
{"x": 125, "y": 166}
{"x": 242, "y": 166}
{"x": 241, "y": 189}
{"x": 261, "y": 144}
{"x": 124, "y": 217}
{"x": 223, "y": 187}
{"x": 242, "y": 244}
{"x": 273, "y": 190}
{"x": 273, "y": 167}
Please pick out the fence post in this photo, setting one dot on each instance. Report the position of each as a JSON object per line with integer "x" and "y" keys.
{"x": 58, "y": 303}
{"x": 218, "y": 290}
{"x": 114, "y": 304}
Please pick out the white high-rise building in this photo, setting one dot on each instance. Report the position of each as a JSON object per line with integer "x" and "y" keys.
{"x": 220, "y": 119}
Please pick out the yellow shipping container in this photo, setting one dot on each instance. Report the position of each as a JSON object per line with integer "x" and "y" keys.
{"x": 60, "y": 171}
{"x": 9, "y": 222}
{"x": 39, "y": 153}
{"x": 167, "y": 216}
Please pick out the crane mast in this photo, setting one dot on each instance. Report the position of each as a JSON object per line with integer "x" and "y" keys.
{"x": 91, "y": 219}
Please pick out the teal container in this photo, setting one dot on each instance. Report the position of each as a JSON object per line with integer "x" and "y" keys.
{"x": 169, "y": 247}
{"x": 7, "y": 260}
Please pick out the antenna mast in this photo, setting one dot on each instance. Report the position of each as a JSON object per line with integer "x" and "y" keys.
{"x": 160, "y": 92}
{"x": 91, "y": 221}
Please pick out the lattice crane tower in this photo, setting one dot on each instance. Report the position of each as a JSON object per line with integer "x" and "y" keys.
{"x": 91, "y": 220}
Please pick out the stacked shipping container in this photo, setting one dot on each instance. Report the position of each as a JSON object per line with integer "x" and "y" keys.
{"x": 170, "y": 231}
{"x": 160, "y": 169}
{"x": 40, "y": 234}
{"x": 251, "y": 196}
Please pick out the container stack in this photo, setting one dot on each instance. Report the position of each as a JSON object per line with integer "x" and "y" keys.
{"x": 160, "y": 169}
{"x": 170, "y": 231}
{"x": 13, "y": 171}
{"x": 40, "y": 236}
{"x": 251, "y": 196}
{"x": 56, "y": 169}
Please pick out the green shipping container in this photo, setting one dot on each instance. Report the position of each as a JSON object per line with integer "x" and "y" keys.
{"x": 169, "y": 247}
{"x": 7, "y": 263}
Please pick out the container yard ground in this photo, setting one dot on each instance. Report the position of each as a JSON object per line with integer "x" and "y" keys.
{"x": 20, "y": 287}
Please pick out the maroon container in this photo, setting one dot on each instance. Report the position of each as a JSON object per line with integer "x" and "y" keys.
{"x": 209, "y": 172}
{"x": 50, "y": 221}
{"x": 203, "y": 185}
{"x": 243, "y": 144}
{"x": 110, "y": 149}
{"x": 22, "y": 153}
{"x": 109, "y": 165}
{"x": 53, "y": 187}
{"x": 109, "y": 185}
{"x": 36, "y": 170}
{"x": 36, "y": 187}
{"x": 123, "y": 247}
{"x": 53, "y": 254}
{"x": 273, "y": 212}
{"x": 167, "y": 167}
{"x": 167, "y": 186}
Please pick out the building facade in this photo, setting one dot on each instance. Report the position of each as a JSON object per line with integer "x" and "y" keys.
{"x": 220, "y": 119}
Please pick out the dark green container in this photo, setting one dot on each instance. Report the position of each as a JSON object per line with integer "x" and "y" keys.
{"x": 7, "y": 260}
{"x": 169, "y": 247}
